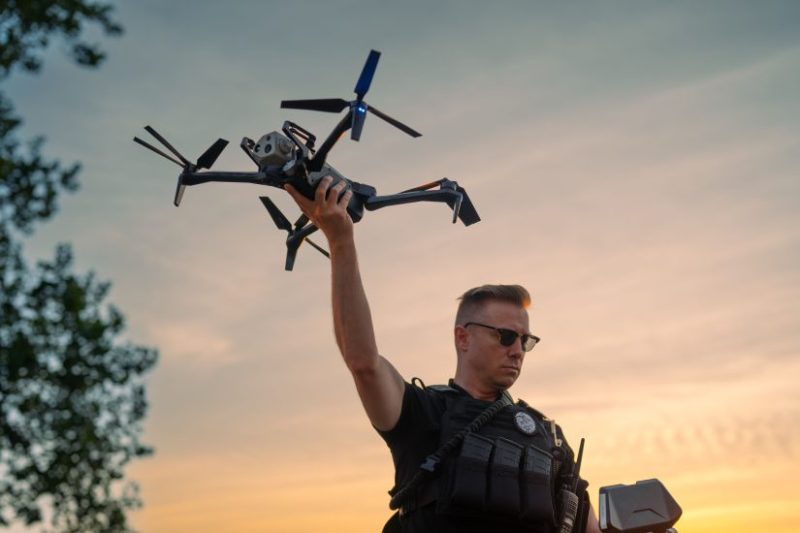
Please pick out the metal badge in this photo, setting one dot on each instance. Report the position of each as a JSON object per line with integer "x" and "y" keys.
{"x": 525, "y": 423}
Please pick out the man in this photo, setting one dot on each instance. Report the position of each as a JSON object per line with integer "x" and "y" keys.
{"x": 491, "y": 338}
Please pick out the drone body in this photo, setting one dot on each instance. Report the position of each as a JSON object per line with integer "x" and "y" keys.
{"x": 291, "y": 157}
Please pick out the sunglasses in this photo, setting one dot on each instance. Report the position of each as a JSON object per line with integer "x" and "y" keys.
{"x": 508, "y": 337}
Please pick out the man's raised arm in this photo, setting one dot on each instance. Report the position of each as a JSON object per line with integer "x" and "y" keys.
{"x": 379, "y": 385}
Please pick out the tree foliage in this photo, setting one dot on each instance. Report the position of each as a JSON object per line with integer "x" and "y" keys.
{"x": 71, "y": 393}
{"x": 28, "y": 25}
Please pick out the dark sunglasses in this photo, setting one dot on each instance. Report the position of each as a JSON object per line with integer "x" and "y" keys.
{"x": 509, "y": 337}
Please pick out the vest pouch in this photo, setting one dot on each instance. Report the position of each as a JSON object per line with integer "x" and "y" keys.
{"x": 468, "y": 483}
{"x": 504, "y": 486}
{"x": 537, "y": 486}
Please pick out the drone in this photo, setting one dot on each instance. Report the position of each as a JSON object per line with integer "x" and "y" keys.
{"x": 290, "y": 157}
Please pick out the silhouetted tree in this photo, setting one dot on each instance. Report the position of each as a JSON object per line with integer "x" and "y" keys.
{"x": 71, "y": 394}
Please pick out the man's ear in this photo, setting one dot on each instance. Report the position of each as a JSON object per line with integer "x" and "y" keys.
{"x": 461, "y": 336}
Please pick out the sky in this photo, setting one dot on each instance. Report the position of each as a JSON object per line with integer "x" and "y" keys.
{"x": 636, "y": 166}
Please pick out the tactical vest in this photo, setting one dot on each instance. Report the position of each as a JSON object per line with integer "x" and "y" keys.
{"x": 509, "y": 469}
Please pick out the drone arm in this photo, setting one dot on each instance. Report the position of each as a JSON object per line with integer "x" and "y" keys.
{"x": 258, "y": 178}
{"x": 319, "y": 158}
{"x": 377, "y": 202}
{"x": 453, "y": 198}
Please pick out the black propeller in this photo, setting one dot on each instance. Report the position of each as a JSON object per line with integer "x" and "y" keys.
{"x": 329, "y": 105}
{"x": 358, "y": 108}
{"x": 206, "y": 160}
{"x": 393, "y": 122}
{"x": 297, "y": 233}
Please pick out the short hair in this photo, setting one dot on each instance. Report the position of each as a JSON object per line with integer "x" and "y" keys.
{"x": 474, "y": 299}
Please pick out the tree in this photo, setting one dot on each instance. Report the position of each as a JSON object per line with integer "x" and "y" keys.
{"x": 71, "y": 394}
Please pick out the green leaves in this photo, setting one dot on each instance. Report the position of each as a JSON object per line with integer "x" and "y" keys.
{"x": 28, "y": 26}
{"x": 72, "y": 397}
{"x": 29, "y": 183}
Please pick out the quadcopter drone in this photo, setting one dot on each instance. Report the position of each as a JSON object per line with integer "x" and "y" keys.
{"x": 291, "y": 158}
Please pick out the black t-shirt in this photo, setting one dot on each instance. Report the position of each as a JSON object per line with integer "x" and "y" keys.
{"x": 416, "y": 435}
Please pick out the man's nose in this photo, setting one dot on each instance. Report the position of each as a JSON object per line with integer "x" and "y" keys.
{"x": 515, "y": 350}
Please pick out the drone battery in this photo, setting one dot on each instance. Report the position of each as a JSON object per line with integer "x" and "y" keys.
{"x": 537, "y": 486}
{"x": 504, "y": 487}
{"x": 315, "y": 177}
{"x": 468, "y": 482}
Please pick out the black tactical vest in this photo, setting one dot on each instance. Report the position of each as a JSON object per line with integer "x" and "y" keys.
{"x": 510, "y": 469}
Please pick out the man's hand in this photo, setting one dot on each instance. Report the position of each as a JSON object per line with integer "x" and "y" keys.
{"x": 325, "y": 211}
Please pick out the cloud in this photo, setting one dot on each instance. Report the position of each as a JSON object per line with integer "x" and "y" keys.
{"x": 190, "y": 342}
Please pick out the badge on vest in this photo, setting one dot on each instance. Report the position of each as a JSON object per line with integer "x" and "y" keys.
{"x": 525, "y": 423}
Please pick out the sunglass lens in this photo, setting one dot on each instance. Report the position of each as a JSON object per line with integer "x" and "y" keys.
{"x": 507, "y": 337}
{"x": 529, "y": 342}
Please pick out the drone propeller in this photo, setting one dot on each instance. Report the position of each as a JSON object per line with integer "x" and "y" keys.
{"x": 206, "y": 160}
{"x": 211, "y": 154}
{"x": 394, "y": 122}
{"x": 359, "y": 114}
{"x": 358, "y": 108}
{"x": 319, "y": 248}
{"x": 297, "y": 233}
{"x": 156, "y": 150}
{"x": 328, "y": 105}
{"x": 277, "y": 216}
{"x": 367, "y": 73}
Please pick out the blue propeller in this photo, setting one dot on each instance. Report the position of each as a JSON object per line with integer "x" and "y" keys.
{"x": 358, "y": 107}
{"x": 367, "y": 73}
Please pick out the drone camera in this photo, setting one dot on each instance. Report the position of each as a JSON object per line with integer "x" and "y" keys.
{"x": 271, "y": 149}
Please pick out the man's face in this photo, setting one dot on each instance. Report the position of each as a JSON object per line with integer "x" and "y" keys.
{"x": 491, "y": 363}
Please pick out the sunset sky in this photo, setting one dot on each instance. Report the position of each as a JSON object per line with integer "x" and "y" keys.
{"x": 636, "y": 166}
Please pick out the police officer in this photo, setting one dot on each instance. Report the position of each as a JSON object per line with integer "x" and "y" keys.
{"x": 507, "y": 475}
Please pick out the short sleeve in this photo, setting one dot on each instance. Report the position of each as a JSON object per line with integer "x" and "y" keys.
{"x": 416, "y": 416}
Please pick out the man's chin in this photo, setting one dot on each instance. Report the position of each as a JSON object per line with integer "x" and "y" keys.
{"x": 506, "y": 382}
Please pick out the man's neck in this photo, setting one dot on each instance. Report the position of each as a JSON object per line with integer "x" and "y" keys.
{"x": 476, "y": 390}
